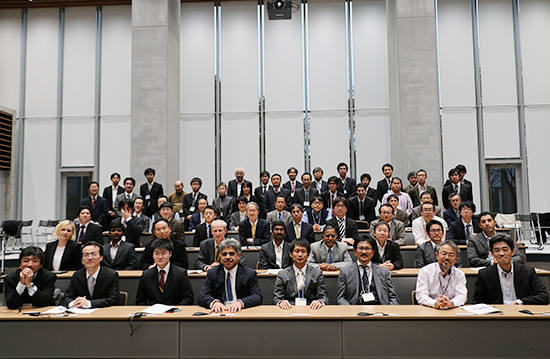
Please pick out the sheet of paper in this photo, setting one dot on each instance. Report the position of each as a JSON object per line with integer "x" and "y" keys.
{"x": 157, "y": 309}
{"x": 57, "y": 310}
{"x": 194, "y": 271}
{"x": 82, "y": 310}
{"x": 480, "y": 309}
{"x": 477, "y": 269}
{"x": 273, "y": 271}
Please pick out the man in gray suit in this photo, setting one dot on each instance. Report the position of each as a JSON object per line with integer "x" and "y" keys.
{"x": 119, "y": 255}
{"x": 224, "y": 203}
{"x": 479, "y": 254}
{"x": 301, "y": 284}
{"x": 129, "y": 184}
{"x": 275, "y": 253}
{"x": 329, "y": 254}
{"x": 397, "y": 228}
{"x": 364, "y": 282}
{"x": 209, "y": 253}
{"x": 279, "y": 213}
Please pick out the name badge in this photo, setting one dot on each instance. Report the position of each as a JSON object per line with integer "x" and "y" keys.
{"x": 181, "y": 210}
{"x": 345, "y": 191}
{"x": 148, "y": 197}
{"x": 301, "y": 302}
{"x": 368, "y": 297}
{"x": 192, "y": 209}
{"x": 306, "y": 203}
{"x": 361, "y": 218}
{"x": 292, "y": 194}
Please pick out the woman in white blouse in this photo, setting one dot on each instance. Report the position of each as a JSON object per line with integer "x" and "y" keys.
{"x": 63, "y": 254}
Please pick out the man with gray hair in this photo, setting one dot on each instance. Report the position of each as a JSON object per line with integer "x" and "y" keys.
{"x": 440, "y": 284}
{"x": 254, "y": 231}
{"x": 231, "y": 286}
{"x": 235, "y": 185}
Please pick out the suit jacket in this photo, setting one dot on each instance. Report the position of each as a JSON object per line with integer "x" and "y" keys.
{"x": 177, "y": 288}
{"x": 300, "y": 196}
{"x": 382, "y": 188}
{"x": 134, "y": 228}
{"x": 270, "y": 198}
{"x": 125, "y": 259}
{"x": 234, "y": 220}
{"x": 273, "y": 216}
{"x": 201, "y": 234}
{"x": 179, "y": 255}
{"x": 72, "y": 256}
{"x": 194, "y": 221}
{"x": 262, "y": 199}
{"x": 368, "y": 209}
{"x": 177, "y": 233}
{"x": 188, "y": 203}
{"x": 268, "y": 259}
{"x": 450, "y": 216}
{"x": 229, "y": 206}
{"x": 372, "y": 193}
{"x": 416, "y": 212}
{"x": 150, "y": 206}
{"x": 324, "y": 186}
{"x": 232, "y": 188}
{"x": 425, "y": 254}
{"x": 119, "y": 198}
{"x": 349, "y": 285}
{"x": 206, "y": 254}
{"x": 527, "y": 284}
{"x": 397, "y": 231}
{"x": 99, "y": 211}
{"x": 351, "y": 227}
{"x": 105, "y": 293}
{"x": 44, "y": 280}
{"x": 288, "y": 185}
{"x": 286, "y": 287}
{"x": 391, "y": 253}
{"x": 93, "y": 233}
{"x": 340, "y": 254}
{"x": 324, "y": 215}
{"x": 415, "y": 195}
{"x": 108, "y": 195}
{"x": 465, "y": 194}
{"x": 349, "y": 188}
{"x": 246, "y": 287}
{"x": 263, "y": 233}
{"x": 458, "y": 234}
{"x": 402, "y": 216}
{"x": 326, "y": 198}
{"x": 478, "y": 251}
{"x": 306, "y": 231}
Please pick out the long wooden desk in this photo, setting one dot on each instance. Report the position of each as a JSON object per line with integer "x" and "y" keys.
{"x": 270, "y": 332}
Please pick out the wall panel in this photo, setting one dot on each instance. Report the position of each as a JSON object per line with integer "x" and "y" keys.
{"x": 329, "y": 140}
{"x": 373, "y": 143}
{"x": 114, "y": 150}
{"x": 501, "y": 132}
{"x": 10, "y": 64}
{"x": 284, "y": 142}
{"x": 537, "y": 128}
{"x": 77, "y": 142}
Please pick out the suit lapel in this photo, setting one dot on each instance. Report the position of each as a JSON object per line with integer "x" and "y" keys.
{"x": 308, "y": 279}
{"x": 293, "y": 284}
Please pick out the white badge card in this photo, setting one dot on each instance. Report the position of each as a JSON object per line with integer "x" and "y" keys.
{"x": 192, "y": 209}
{"x": 301, "y": 302}
{"x": 361, "y": 218}
{"x": 306, "y": 203}
{"x": 148, "y": 197}
{"x": 368, "y": 297}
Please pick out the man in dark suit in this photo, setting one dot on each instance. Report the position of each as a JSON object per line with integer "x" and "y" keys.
{"x": 371, "y": 192}
{"x": 452, "y": 213}
{"x": 346, "y": 228}
{"x": 30, "y": 283}
{"x": 461, "y": 229}
{"x": 260, "y": 192}
{"x": 166, "y": 211}
{"x": 87, "y": 231}
{"x": 346, "y": 184}
{"x": 118, "y": 254}
{"x": 209, "y": 253}
{"x": 164, "y": 283}
{"x": 224, "y": 204}
{"x": 92, "y": 286}
{"x": 462, "y": 171}
{"x": 463, "y": 189}
{"x": 364, "y": 282}
{"x": 275, "y": 253}
{"x": 197, "y": 217}
{"x": 361, "y": 205}
{"x": 292, "y": 184}
{"x": 417, "y": 211}
{"x": 425, "y": 252}
{"x": 319, "y": 184}
{"x": 275, "y": 191}
{"x": 235, "y": 185}
{"x": 384, "y": 185}
{"x": 190, "y": 200}
{"x": 507, "y": 282}
{"x": 253, "y": 231}
{"x": 330, "y": 196}
{"x": 133, "y": 226}
{"x": 391, "y": 257}
{"x": 150, "y": 192}
{"x": 129, "y": 184}
{"x": 421, "y": 187}
{"x": 231, "y": 286}
{"x": 204, "y": 230}
{"x": 162, "y": 229}
{"x": 301, "y": 284}
{"x": 110, "y": 193}
{"x": 304, "y": 195}
{"x": 297, "y": 228}
{"x": 99, "y": 205}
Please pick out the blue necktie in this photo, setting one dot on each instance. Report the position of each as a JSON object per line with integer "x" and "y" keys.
{"x": 329, "y": 256}
{"x": 365, "y": 277}
{"x": 280, "y": 216}
{"x": 228, "y": 288}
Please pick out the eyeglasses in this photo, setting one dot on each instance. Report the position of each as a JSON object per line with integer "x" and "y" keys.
{"x": 436, "y": 230}
{"x": 361, "y": 249}
{"x": 385, "y": 212}
{"x": 93, "y": 255}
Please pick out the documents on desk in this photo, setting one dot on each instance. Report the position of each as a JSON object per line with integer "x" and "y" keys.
{"x": 61, "y": 309}
{"x": 158, "y": 309}
{"x": 481, "y": 309}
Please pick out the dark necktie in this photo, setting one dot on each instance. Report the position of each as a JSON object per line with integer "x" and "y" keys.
{"x": 360, "y": 207}
{"x": 93, "y": 201}
{"x": 365, "y": 277}
{"x": 329, "y": 256}
{"x": 161, "y": 282}
{"x": 228, "y": 288}
{"x": 81, "y": 236}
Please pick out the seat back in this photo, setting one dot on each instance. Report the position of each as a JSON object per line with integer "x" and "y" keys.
{"x": 122, "y": 298}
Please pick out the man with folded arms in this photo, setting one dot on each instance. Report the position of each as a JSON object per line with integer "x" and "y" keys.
{"x": 329, "y": 254}
{"x": 30, "y": 284}
{"x": 507, "y": 282}
{"x": 441, "y": 285}
{"x": 275, "y": 253}
{"x": 302, "y": 283}
{"x": 231, "y": 286}
{"x": 164, "y": 283}
{"x": 92, "y": 286}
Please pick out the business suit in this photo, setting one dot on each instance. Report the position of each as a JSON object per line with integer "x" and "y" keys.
{"x": 527, "y": 285}
{"x": 351, "y": 227}
{"x": 457, "y": 232}
{"x": 177, "y": 288}
{"x": 478, "y": 251}
{"x": 415, "y": 195}
{"x": 320, "y": 188}
{"x": 321, "y": 219}
{"x": 176, "y": 231}
{"x": 201, "y": 234}
{"x": 147, "y": 220}
{"x": 450, "y": 215}
{"x": 72, "y": 256}
{"x": 372, "y": 193}
{"x": 306, "y": 231}
{"x": 368, "y": 209}
{"x": 349, "y": 285}
{"x": 232, "y": 188}
{"x": 392, "y": 253}
{"x": 246, "y": 287}
{"x": 150, "y": 206}
{"x": 300, "y": 196}
{"x": 382, "y": 188}
{"x": 134, "y": 228}
{"x": 397, "y": 231}
{"x": 425, "y": 254}
{"x": 206, "y": 254}
{"x": 268, "y": 259}
{"x": 234, "y": 220}
{"x": 93, "y": 232}
{"x": 340, "y": 254}
{"x": 188, "y": 203}
{"x": 327, "y": 202}
{"x": 416, "y": 212}
{"x": 465, "y": 194}
{"x": 108, "y": 195}
{"x": 348, "y": 188}
{"x": 194, "y": 221}
{"x": 263, "y": 233}
{"x": 271, "y": 196}
{"x": 119, "y": 198}
{"x": 258, "y": 193}
{"x": 225, "y": 207}
{"x": 105, "y": 293}
{"x": 44, "y": 280}
{"x": 179, "y": 255}
{"x": 288, "y": 185}
{"x": 125, "y": 259}
{"x": 273, "y": 216}
{"x": 286, "y": 287}
{"x": 99, "y": 211}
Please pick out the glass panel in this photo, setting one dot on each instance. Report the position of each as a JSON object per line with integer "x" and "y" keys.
{"x": 77, "y": 188}
{"x": 502, "y": 195}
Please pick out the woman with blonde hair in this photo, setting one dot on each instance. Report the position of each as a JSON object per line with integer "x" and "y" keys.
{"x": 63, "y": 254}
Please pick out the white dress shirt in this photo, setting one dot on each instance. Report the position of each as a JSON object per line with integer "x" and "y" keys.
{"x": 431, "y": 283}
{"x": 507, "y": 285}
{"x": 419, "y": 229}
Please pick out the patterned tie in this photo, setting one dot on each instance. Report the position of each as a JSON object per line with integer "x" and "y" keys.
{"x": 81, "y": 236}
{"x": 209, "y": 231}
{"x": 468, "y": 231}
{"x": 93, "y": 201}
{"x": 329, "y": 256}
{"x": 217, "y": 256}
{"x": 341, "y": 228}
{"x": 300, "y": 281}
{"x": 228, "y": 288}
{"x": 91, "y": 285}
{"x": 161, "y": 282}
{"x": 128, "y": 195}
{"x": 253, "y": 230}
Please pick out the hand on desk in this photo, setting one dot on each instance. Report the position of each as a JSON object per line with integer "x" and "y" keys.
{"x": 443, "y": 302}
{"x": 387, "y": 264}
{"x": 328, "y": 267}
{"x": 348, "y": 241}
{"x": 82, "y": 302}
{"x": 234, "y": 307}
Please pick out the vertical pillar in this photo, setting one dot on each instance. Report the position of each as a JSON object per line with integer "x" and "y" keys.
{"x": 415, "y": 124}
{"x": 155, "y": 89}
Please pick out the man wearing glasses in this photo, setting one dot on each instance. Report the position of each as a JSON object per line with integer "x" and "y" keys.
{"x": 425, "y": 253}
{"x": 419, "y": 225}
{"x": 92, "y": 286}
{"x": 397, "y": 228}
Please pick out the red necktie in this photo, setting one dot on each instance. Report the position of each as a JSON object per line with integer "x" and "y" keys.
{"x": 161, "y": 282}
{"x": 93, "y": 202}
